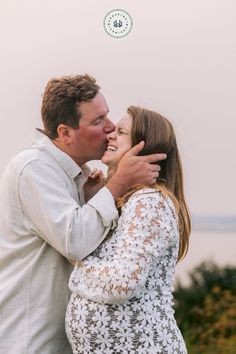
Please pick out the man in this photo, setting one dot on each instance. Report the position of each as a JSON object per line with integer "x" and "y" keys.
{"x": 44, "y": 220}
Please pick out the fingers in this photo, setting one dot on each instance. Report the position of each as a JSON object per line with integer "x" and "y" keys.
{"x": 155, "y": 168}
{"x": 102, "y": 177}
{"x": 154, "y": 176}
{"x": 148, "y": 158}
{"x": 97, "y": 174}
{"x": 136, "y": 149}
{"x": 154, "y": 171}
{"x": 154, "y": 157}
{"x": 94, "y": 173}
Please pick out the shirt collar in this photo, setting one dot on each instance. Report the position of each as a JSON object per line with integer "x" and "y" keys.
{"x": 64, "y": 160}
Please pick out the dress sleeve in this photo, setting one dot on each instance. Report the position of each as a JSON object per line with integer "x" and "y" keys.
{"x": 119, "y": 270}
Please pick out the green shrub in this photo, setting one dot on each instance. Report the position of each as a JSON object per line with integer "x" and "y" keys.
{"x": 206, "y": 310}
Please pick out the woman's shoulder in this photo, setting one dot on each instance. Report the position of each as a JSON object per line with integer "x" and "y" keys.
{"x": 150, "y": 197}
{"x": 148, "y": 193}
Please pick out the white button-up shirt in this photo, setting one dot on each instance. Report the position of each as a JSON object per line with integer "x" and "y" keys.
{"x": 44, "y": 222}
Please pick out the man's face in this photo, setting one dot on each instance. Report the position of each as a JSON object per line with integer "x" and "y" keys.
{"x": 89, "y": 141}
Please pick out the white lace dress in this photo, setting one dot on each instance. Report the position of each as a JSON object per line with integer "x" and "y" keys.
{"x": 121, "y": 298}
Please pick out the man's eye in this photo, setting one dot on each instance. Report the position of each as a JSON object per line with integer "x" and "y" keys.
{"x": 97, "y": 121}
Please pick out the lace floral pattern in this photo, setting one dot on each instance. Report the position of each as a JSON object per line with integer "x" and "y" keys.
{"x": 121, "y": 298}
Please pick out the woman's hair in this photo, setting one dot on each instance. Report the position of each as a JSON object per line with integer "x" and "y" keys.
{"x": 159, "y": 137}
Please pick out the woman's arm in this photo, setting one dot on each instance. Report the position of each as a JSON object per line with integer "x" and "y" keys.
{"x": 120, "y": 270}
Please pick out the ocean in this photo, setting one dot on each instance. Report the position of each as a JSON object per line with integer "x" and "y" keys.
{"x": 216, "y": 246}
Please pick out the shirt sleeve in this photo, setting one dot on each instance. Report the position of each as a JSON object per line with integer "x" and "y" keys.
{"x": 50, "y": 211}
{"x": 119, "y": 270}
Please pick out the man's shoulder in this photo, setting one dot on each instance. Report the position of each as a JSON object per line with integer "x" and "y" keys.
{"x": 27, "y": 156}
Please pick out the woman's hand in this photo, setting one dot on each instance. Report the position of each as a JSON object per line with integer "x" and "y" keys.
{"x": 95, "y": 181}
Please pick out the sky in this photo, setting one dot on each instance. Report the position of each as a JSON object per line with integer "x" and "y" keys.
{"x": 179, "y": 59}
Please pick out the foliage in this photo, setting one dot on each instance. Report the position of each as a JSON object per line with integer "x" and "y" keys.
{"x": 206, "y": 310}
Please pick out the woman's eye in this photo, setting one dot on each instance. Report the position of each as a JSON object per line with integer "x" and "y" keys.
{"x": 120, "y": 132}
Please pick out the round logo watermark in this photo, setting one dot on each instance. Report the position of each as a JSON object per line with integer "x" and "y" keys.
{"x": 118, "y": 23}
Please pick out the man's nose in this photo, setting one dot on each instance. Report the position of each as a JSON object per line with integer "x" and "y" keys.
{"x": 109, "y": 126}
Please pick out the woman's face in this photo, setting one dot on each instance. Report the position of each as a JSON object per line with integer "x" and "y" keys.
{"x": 119, "y": 142}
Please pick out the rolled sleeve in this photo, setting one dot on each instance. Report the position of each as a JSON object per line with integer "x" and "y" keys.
{"x": 104, "y": 203}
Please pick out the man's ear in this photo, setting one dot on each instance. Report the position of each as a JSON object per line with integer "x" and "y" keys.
{"x": 64, "y": 134}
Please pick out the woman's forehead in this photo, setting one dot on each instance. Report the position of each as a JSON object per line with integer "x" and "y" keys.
{"x": 125, "y": 121}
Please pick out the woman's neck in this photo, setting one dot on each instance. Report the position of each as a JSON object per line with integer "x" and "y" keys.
{"x": 110, "y": 172}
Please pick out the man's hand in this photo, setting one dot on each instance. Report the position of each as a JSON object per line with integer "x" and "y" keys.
{"x": 133, "y": 169}
{"x": 95, "y": 181}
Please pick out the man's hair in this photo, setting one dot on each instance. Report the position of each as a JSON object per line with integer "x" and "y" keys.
{"x": 159, "y": 136}
{"x": 61, "y": 101}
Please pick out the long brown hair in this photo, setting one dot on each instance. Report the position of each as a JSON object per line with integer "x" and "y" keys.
{"x": 159, "y": 136}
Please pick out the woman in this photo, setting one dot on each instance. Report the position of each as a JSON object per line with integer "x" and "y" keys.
{"x": 121, "y": 298}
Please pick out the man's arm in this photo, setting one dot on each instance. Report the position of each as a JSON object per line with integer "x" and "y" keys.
{"x": 50, "y": 212}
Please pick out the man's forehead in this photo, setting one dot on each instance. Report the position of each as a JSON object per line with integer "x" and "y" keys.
{"x": 98, "y": 104}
